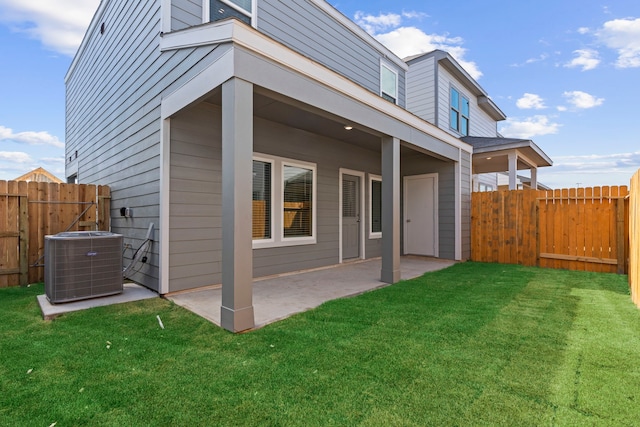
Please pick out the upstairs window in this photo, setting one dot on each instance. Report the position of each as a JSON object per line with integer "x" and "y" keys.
{"x": 241, "y": 9}
{"x": 388, "y": 83}
{"x": 459, "y": 120}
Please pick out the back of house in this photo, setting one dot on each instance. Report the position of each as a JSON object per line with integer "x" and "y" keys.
{"x": 263, "y": 137}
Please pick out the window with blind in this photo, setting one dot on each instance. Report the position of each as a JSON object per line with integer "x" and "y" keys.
{"x": 298, "y": 201}
{"x": 375, "y": 207}
{"x": 261, "y": 200}
{"x": 284, "y": 200}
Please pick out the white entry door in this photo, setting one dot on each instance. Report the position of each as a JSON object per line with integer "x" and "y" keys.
{"x": 420, "y": 215}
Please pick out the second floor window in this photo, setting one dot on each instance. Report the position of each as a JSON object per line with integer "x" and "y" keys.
{"x": 241, "y": 9}
{"x": 459, "y": 115}
{"x": 388, "y": 83}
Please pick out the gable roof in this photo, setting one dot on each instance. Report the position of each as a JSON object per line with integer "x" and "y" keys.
{"x": 39, "y": 175}
{"x": 454, "y": 67}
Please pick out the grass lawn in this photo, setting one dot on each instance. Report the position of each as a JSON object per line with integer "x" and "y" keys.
{"x": 475, "y": 344}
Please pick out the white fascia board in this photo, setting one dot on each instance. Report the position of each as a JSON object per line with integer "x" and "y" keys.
{"x": 358, "y": 31}
{"x": 97, "y": 17}
{"x": 249, "y": 38}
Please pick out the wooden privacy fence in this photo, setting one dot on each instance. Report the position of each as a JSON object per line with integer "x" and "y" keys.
{"x": 31, "y": 210}
{"x": 634, "y": 238}
{"x": 574, "y": 229}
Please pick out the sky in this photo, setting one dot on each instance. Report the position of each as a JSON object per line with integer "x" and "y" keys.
{"x": 565, "y": 72}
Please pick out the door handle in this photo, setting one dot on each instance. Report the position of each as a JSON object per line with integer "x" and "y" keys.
{"x": 408, "y": 220}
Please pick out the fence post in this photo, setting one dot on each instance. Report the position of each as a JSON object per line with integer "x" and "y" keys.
{"x": 537, "y": 208}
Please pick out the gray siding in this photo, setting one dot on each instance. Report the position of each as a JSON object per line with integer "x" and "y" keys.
{"x": 306, "y": 29}
{"x": 421, "y": 89}
{"x": 418, "y": 164}
{"x": 195, "y": 247}
{"x": 185, "y": 13}
{"x": 113, "y": 115}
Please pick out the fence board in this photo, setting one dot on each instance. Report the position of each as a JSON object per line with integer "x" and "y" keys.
{"x": 31, "y": 210}
{"x": 634, "y": 238}
{"x": 4, "y": 241}
{"x": 577, "y": 229}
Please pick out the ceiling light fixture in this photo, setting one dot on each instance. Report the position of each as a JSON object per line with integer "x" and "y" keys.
{"x": 347, "y": 127}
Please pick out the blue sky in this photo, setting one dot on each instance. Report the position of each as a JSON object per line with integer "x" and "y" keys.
{"x": 565, "y": 72}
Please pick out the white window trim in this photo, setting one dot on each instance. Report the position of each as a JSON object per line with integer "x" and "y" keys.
{"x": 372, "y": 234}
{"x": 253, "y": 15}
{"x": 270, "y": 240}
{"x": 388, "y": 66}
{"x": 362, "y": 242}
{"x": 277, "y": 197}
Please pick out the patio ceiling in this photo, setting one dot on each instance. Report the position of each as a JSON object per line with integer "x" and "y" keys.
{"x": 286, "y": 111}
{"x": 492, "y": 154}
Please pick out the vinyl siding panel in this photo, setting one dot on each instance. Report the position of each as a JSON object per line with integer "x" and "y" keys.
{"x": 480, "y": 124}
{"x": 185, "y": 13}
{"x": 421, "y": 85}
{"x": 306, "y": 29}
{"x": 195, "y": 232}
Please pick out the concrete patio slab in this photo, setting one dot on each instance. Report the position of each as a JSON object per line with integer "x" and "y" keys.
{"x": 131, "y": 292}
{"x": 278, "y": 297}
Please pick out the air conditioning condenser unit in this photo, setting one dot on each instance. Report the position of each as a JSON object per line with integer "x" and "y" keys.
{"x": 81, "y": 265}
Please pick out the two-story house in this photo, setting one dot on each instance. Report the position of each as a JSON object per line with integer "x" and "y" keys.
{"x": 263, "y": 137}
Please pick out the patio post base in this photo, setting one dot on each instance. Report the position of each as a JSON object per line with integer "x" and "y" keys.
{"x": 237, "y": 320}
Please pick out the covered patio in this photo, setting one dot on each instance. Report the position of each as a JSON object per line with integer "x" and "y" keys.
{"x": 278, "y": 297}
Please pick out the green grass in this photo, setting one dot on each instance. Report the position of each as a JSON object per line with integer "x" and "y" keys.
{"x": 475, "y": 344}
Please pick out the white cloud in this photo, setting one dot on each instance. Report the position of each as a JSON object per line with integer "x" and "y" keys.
{"x": 30, "y": 138}
{"x": 529, "y": 127}
{"x": 588, "y": 59}
{"x": 531, "y": 101}
{"x": 414, "y": 15}
{"x": 582, "y": 100}
{"x": 561, "y": 108}
{"x": 583, "y": 30}
{"x": 405, "y": 40}
{"x": 14, "y": 157}
{"x": 59, "y": 25}
{"x": 374, "y": 24}
{"x": 623, "y": 35}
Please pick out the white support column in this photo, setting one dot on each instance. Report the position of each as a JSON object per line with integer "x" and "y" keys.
{"x": 534, "y": 178}
{"x": 237, "y": 182}
{"x": 513, "y": 171}
{"x": 390, "y": 210}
